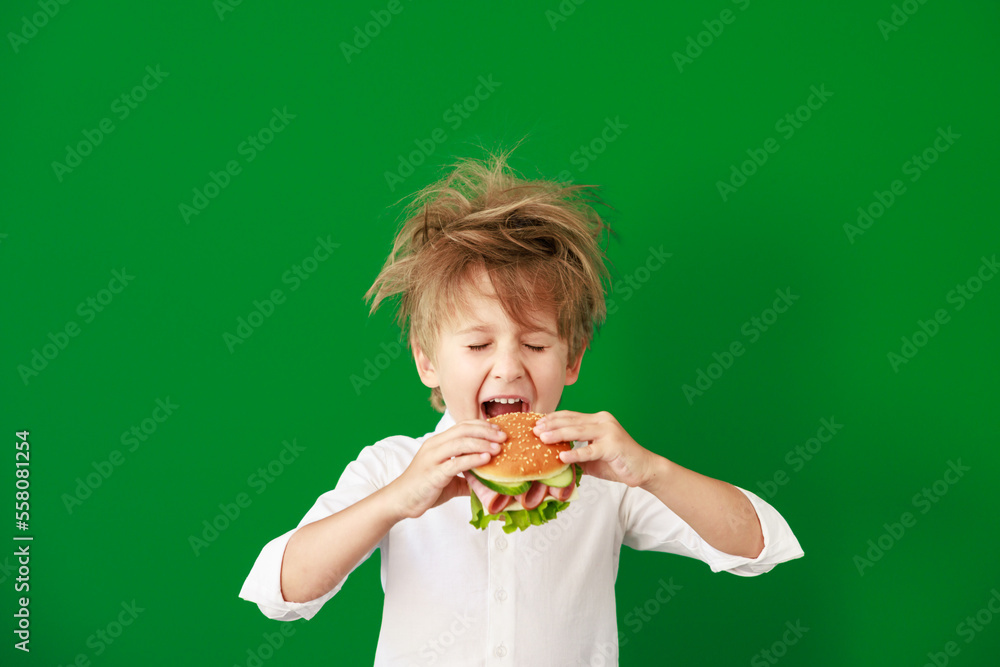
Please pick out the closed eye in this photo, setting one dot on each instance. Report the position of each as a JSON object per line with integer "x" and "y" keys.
{"x": 533, "y": 348}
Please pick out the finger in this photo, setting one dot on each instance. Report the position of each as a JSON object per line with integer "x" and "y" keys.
{"x": 470, "y": 445}
{"x": 560, "y": 417}
{"x": 481, "y": 429}
{"x": 570, "y": 433}
{"x": 467, "y": 431}
{"x": 568, "y": 420}
{"x": 463, "y": 463}
{"x": 476, "y": 424}
{"x": 581, "y": 454}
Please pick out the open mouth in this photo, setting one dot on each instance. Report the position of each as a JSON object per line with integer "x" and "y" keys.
{"x": 502, "y": 405}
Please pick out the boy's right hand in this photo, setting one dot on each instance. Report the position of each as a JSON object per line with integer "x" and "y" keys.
{"x": 432, "y": 476}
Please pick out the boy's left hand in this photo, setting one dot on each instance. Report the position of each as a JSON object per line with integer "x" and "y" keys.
{"x": 611, "y": 454}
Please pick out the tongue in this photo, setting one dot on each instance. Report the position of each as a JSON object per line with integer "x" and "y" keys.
{"x": 494, "y": 409}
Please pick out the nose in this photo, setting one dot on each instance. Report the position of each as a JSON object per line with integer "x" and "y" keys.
{"x": 508, "y": 365}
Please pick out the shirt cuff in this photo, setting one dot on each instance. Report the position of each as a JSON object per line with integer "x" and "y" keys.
{"x": 780, "y": 544}
{"x": 263, "y": 585}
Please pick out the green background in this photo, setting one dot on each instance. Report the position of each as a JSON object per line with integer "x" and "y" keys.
{"x": 560, "y": 80}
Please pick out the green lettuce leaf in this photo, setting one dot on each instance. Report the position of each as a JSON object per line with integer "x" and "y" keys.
{"x": 520, "y": 519}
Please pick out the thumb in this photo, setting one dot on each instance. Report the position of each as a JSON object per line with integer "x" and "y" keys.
{"x": 456, "y": 487}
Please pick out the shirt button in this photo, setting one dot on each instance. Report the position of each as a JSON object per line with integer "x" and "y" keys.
{"x": 501, "y": 594}
{"x": 500, "y": 651}
{"x": 501, "y": 543}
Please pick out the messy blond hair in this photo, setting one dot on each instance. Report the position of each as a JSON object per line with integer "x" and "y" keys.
{"x": 538, "y": 241}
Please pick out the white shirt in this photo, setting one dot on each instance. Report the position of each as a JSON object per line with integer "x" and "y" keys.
{"x": 457, "y": 595}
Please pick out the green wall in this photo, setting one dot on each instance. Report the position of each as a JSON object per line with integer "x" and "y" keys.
{"x": 714, "y": 156}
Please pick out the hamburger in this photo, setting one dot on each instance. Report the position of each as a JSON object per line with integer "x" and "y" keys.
{"x": 525, "y": 484}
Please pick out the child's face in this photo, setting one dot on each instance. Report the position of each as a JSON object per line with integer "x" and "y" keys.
{"x": 506, "y": 365}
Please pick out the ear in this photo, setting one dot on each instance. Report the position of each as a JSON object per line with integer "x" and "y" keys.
{"x": 425, "y": 367}
{"x": 573, "y": 370}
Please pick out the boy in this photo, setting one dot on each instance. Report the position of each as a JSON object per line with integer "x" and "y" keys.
{"x": 501, "y": 284}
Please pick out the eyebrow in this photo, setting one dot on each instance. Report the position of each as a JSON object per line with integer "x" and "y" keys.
{"x": 483, "y": 328}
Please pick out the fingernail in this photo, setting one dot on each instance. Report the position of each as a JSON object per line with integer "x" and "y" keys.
{"x": 495, "y": 447}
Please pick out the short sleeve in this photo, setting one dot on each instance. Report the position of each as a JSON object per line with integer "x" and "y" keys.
{"x": 360, "y": 478}
{"x": 649, "y": 525}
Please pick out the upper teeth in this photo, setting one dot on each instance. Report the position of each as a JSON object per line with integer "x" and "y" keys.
{"x": 504, "y": 400}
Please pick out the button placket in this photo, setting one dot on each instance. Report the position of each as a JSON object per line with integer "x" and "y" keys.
{"x": 501, "y": 596}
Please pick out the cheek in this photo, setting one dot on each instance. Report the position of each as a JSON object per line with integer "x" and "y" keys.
{"x": 464, "y": 372}
{"x": 550, "y": 373}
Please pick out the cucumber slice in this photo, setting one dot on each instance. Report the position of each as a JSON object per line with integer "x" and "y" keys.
{"x": 500, "y": 488}
{"x": 563, "y": 479}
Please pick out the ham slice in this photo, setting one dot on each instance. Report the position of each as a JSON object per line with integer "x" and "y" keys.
{"x": 492, "y": 501}
{"x": 533, "y": 497}
{"x": 562, "y": 493}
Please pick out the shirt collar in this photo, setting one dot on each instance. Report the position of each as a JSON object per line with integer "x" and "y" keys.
{"x": 447, "y": 421}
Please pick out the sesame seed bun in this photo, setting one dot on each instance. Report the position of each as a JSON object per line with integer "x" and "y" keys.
{"x": 522, "y": 457}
